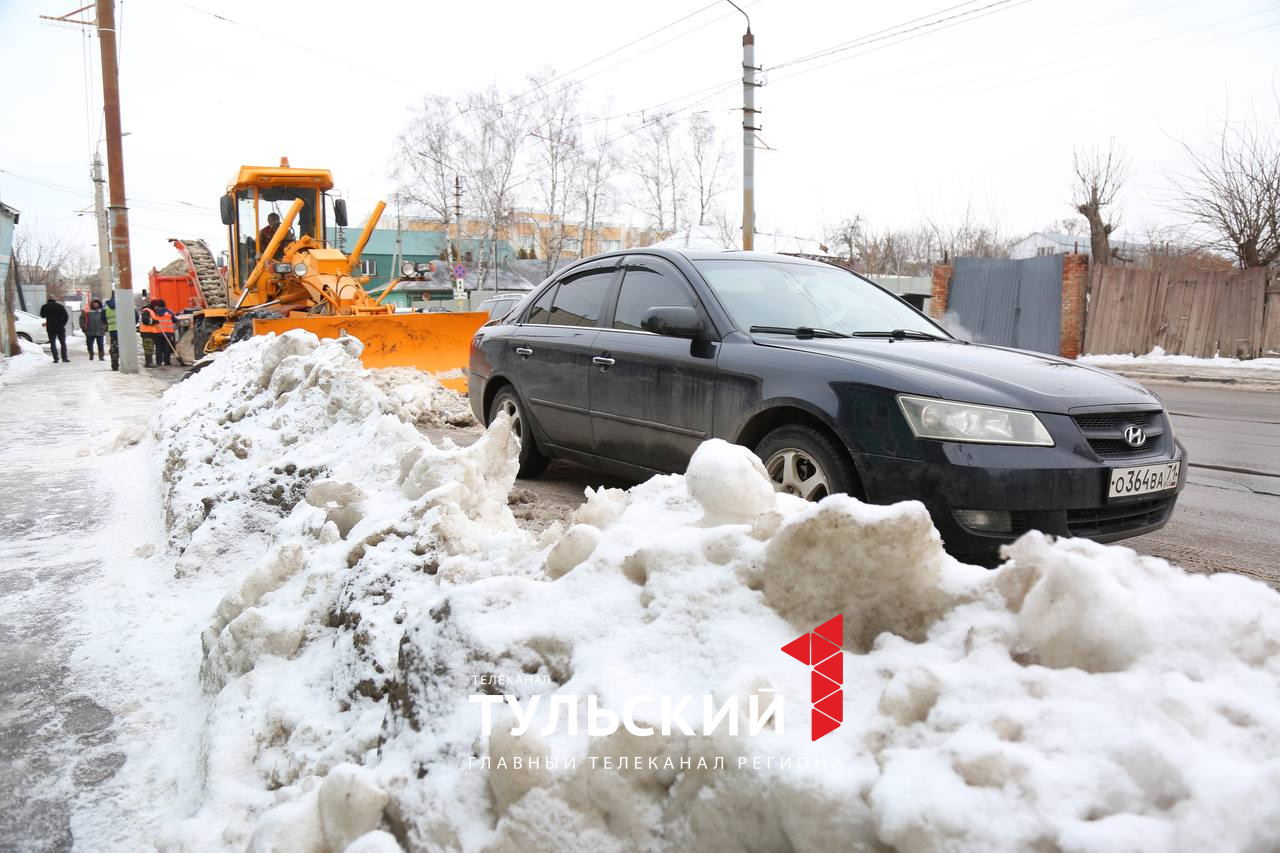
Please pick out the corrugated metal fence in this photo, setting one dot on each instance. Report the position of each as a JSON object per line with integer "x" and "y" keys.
{"x": 1212, "y": 313}
{"x": 1009, "y": 303}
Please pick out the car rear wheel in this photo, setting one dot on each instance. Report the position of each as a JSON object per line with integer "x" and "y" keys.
{"x": 532, "y": 462}
{"x": 25, "y": 337}
{"x": 803, "y": 461}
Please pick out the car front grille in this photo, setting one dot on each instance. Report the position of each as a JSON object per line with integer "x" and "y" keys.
{"x": 1105, "y": 433}
{"x": 1115, "y": 421}
{"x": 1117, "y": 519}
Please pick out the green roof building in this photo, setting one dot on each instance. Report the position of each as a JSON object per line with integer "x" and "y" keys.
{"x": 379, "y": 261}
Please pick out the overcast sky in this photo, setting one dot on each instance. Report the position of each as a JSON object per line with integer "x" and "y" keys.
{"x": 980, "y": 111}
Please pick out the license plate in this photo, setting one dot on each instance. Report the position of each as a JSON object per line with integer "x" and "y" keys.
{"x": 1143, "y": 479}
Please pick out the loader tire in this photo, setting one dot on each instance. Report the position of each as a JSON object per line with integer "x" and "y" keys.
{"x": 532, "y": 460}
{"x": 244, "y": 324}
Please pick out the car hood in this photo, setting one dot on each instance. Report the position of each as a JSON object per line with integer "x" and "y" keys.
{"x": 976, "y": 373}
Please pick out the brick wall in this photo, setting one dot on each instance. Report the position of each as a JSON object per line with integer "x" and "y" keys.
{"x": 941, "y": 283}
{"x": 1075, "y": 288}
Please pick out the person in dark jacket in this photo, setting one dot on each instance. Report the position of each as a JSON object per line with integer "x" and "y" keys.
{"x": 93, "y": 323}
{"x": 55, "y": 320}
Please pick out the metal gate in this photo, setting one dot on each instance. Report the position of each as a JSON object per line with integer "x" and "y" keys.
{"x": 1008, "y": 303}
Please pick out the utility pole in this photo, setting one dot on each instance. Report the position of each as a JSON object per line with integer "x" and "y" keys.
{"x": 104, "y": 238}
{"x": 127, "y": 334}
{"x": 457, "y": 219}
{"x": 749, "y": 129}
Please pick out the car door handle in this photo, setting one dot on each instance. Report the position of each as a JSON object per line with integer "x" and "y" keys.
{"x": 524, "y": 351}
{"x": 602, "y": 361}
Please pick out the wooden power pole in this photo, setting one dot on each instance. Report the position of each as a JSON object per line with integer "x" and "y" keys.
{"x": 127, "y": 334}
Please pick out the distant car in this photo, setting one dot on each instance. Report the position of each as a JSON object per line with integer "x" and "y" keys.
{"x": 628, "y": 361}
{"x": 500, "y": 306}
{"x": 30, "y": 327}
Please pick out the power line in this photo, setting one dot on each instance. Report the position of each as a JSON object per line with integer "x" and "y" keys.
{"x": 1021, "y": 78}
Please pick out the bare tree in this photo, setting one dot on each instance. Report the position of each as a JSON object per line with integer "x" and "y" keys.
{"x": 967, "y": 236}
{"x": 427, "y": 156}
{"x": 597, "y": 169}
{"x": 48, "y": 261}
{"x": 555, "y": 167}
{"x": 655, "y": 167}
{"x": 707, "y": 163}
{"x": 847, "y": 238}
{"x": 1233, "y": 192}
{"x": 491, "y": 138}
{"x": 1100, "y": 173}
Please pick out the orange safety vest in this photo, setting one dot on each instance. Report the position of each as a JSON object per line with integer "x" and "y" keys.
{"x": 166, "y": 322}
{"x": 149, "y": 322}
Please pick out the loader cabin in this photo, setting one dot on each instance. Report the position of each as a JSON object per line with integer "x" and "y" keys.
{"x": 259, "y": 191}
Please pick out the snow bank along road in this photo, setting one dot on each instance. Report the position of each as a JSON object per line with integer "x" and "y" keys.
{"x": 285, "y": 630}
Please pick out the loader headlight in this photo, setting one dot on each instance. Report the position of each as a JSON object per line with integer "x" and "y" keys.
{"x": 946, "y": 420}
{"x": 424, "y": 267}
{"x": 281, "y": 269}
{"x": 406, "y": 268}
{"x": 299, "y": 268}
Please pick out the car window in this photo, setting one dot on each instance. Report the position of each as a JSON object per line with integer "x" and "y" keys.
{"x": 776, "y": 293}
{"x": 499, "y": 308}
{"x": 579, "y": 299}
{"x": 541, "y": 311}
{"x": 647, "y": 285}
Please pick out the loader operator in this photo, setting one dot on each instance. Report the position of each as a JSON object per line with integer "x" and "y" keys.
{"x": 265, "y": 235}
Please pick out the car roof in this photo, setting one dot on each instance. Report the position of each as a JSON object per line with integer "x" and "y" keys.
{"x": 710, "y": 255}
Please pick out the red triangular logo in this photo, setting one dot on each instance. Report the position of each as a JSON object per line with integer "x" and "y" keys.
{"x": 821, "y": 725}
{"x": 821, "y": 686}
{"x": 822, "y": 649}
{"x": 833, "y": 668}
{"x": 799, "y": 649}
{"x": 832, "y": 706}
{"x": 832, "y": 630}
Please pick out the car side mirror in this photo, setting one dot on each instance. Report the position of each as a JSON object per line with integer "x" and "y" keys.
{"x": 227, "y": 207}
{"x": 340, "y": 212}
{"x": 676, "y": 321}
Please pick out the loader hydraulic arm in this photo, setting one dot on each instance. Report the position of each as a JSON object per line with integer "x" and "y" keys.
{"x": 365, "y": 235}
{"x": 276, "y": 239}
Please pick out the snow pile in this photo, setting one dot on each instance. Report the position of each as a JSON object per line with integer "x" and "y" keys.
{"x": 1078, "y": 697}
{"x": 14, "y": 368}
{"x": 1158, "y": 358}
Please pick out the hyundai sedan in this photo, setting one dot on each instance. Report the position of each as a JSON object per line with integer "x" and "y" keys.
{"x": 627, "y": 361}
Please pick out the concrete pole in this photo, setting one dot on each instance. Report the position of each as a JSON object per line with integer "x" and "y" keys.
{"x": 104, "y": 237}
{"x": 127, "y": 334}
{"x": 748, "y": 139}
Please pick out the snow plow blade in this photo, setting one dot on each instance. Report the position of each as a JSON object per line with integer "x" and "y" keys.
{"x": 435, "y": 343}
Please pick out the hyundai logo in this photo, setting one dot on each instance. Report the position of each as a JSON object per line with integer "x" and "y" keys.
{"x": 1134, "y": 436}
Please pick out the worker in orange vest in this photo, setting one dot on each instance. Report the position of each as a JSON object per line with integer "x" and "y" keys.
{"x": 149, "y": 326}
{"x": 164, "y": 340}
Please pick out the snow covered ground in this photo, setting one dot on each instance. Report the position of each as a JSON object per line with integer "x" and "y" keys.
{"x": 305, "y": 591}
{"x": 1159, "y": 358}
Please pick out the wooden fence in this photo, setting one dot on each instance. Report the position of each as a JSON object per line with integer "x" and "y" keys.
{"x": 1207, "y": 314}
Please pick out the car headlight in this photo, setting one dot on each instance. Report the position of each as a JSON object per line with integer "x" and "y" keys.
{"x": 406, "y": 268}
{"x": 299, "y": 268}
{"x": 946, "y": 420}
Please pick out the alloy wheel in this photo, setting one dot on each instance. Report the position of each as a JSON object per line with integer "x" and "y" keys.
{"x": 796, "y": 473}
{"x": 509, "y": 406}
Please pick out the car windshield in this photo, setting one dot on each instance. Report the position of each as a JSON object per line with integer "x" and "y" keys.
{"x": 782, "y": 295}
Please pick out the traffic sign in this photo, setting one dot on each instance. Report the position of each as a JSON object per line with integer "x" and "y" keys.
{"x": 459, "y": 271}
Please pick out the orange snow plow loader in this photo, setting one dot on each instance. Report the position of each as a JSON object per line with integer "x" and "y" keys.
{"x": 283, "y": 274}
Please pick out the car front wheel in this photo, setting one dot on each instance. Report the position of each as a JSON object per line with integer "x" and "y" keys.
{"x": 804, "y": 462}
{"x": 532, "y": 462}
